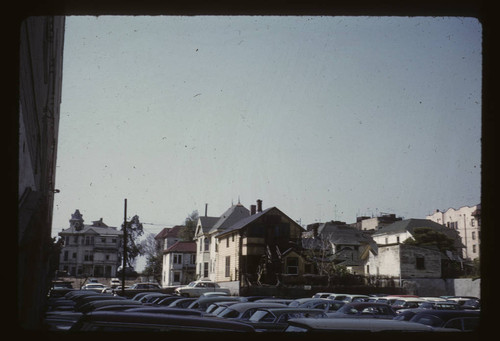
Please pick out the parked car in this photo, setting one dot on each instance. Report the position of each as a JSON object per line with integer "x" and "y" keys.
{"x": 390, "y": 299}
{"x": 440, "y": 305}
{"x": 60, "y": 320}
{"x": 464, "y": 320}
{"x": 349, "y": 298}
{"x": 125, "y": 321}
{"x": 323, "y": 294}
{"x": 217, "y": 307}
{"x": 406, "y": 314}
{"x": 86, "y": 299}
{"x": 97, "y": 287}
{"x": 197, "y": 288}
{"x": 166, "y": 310}
{"x": 214, "y": 293}
{"x": 243, "y": 311}
{"x": 323, "y": 325}
{"x": 407, "y": 303}
{"x": 472, "y": 304}
{"x": 165, "y": 301}
{"x": 137, "y": 288}
{"x": 286, "y": 301}
{"x": 116, "y": 304}
{"x": 150, "y": 297}
{"x": 365, "y": 310}
{"x": 202, "y": 303}
{"x": 327, "y": 305}
{"x": 114, "y": 282}
{"x": 276, "y": 319}
{"x": 182, "y": 303}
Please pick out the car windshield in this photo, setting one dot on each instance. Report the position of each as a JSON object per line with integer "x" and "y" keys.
{"x": 192, "y": 284}
{"x": 429, "y": 320}
{"x": 399, "y": 302}
{"x": 262, "y": 316}
{"x": 228, "y": 313}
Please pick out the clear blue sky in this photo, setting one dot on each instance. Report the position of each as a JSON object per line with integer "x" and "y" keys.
{"x": 323, "y": 117}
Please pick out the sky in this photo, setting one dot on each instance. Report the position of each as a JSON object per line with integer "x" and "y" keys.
{"x": 324, "y": 117}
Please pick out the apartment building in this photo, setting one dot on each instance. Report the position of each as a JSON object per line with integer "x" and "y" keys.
{"x": 467, "y": 222}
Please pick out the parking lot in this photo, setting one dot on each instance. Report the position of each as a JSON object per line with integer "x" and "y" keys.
{"x": 91, "y": 309}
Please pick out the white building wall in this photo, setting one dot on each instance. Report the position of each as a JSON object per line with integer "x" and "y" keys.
{"x": 384, "y": 239}
{"x": 465, "y": 224}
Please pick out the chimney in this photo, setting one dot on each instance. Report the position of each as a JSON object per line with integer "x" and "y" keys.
{"x": 259, "y": 205}
{"x": 253, "y": 209}
{"x": 206, "y": 209}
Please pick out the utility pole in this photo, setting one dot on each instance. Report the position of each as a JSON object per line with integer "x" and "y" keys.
{"x": 124, "y": 247}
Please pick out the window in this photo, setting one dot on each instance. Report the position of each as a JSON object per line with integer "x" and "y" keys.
{"x": 88, "y": 256}
{"x": 177, "y": 276}
{"x": 386, "y": 240}
{"x": 227, "y": 241}
{"x": 113, "y": 240}
{"x": 420, "y": 263}
{"x": 65, "y": 255}
{"x": 397, "y": 240}
{"x": 292, "y": 265}
{"x": 228, "y": 266}
{"x": 103, "y": 240}
{"x": 472, "y": 222}
{"x": 74, "y": 255}
{"x": 177, "y": 258}
{"x": 474, "y": 250}
{"x": 206, "y": 243}
{"x": 205, "y": 269}
{"x": 473, "y": 235}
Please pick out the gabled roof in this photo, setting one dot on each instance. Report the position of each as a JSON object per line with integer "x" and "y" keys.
{"x": 206, "y": 224}
{"x": 180, "y": 246}
{"x": 233, "y": 214}
{"x": 410, "y": 225}
{"x": 246, "y": 221}
{"x": 169, "y": 232}
{"x": 344, "y": 235}
{"x": 162, "y": 234}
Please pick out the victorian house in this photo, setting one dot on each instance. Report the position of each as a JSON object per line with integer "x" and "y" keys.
{"x": 248, "y": 246}
{"x": 90, "y": 250}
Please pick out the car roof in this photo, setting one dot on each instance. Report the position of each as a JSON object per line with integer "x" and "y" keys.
{"x": 444, "y": 314}
{"x": 180, "y": 321}
{"x": 367, "y": 304}
{"x": 243, "y": 306}
{"x": 165, "y": 310}
{"x": 284, "y": 310}
{"x": 325, "y": 324}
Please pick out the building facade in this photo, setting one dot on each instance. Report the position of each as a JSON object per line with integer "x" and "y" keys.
{"x": 467, "y": 222}
{"x": 36, "y": 128}
{"x": 208, "y": 248}
{"x": 90, "y": 250}
{"x": 179, "y": 264}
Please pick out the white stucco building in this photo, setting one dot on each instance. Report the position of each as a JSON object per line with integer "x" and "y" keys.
{"x": 467, "y": 222}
